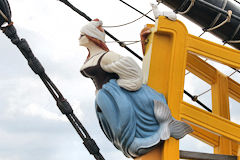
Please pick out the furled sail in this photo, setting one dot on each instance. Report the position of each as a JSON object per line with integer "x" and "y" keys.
{"x": 210, "y": 13}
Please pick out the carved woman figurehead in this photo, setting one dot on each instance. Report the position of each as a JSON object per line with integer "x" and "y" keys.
{"x": 133, "y": 116}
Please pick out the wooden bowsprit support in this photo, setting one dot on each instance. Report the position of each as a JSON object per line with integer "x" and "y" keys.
{"x": 205, "y": 156}
{"x": 170, "y": 51}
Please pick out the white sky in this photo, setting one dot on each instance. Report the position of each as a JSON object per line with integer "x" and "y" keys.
{"x": 31, "y": 126}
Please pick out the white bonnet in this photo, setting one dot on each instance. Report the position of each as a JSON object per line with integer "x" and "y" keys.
{"x": 91, "y": 30}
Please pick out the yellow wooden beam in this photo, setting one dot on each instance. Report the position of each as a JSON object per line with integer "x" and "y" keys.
{"x": 222, "y": 54}
{"x": 220, "y": 105}
{"x": 210, "y": 121}
{"x": 165, "y": 61}
{"x": 208, "y": 73}
{"x": 238, "y": 151}
{"x": 225, "y": 146}
{"x": 220, "y": 97}
{"x": 201, "y": 69}
{"x": 164, "y": 67}
{"x": 152, "y": 155}
{"x": 204, "y": 135}
{"x": 234, "y": 89}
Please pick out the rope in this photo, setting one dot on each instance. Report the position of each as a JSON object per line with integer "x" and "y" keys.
{"x": 233, "y": 36}
{"x": 3, "y": 15}
{"x": 211, "y": 89}
{"x": 204, "y": 92}
{"x": 66, "y": 2}
{"x": 194, "y": 98}
{"x": 232, "y": 73}
{"x": 217, "y": 17}
{"x": 233, "y": 41}
{"x": 228, "y": 19}
{"x": 61, "y": 102}
{"x": 235, "y": 69}
{"x": 237, "y": 1}
{"x": 138, "y": 10}
{"x": 128, "y": 22}
{"x": 202, "y": 33}
{"x": 181, "y": 6}
{"x": 188, "y": 9}
{"x": 131, "y": 42}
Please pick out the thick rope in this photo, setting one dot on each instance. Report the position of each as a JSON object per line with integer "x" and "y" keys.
{"x": 3, "y": 15}
{"x": 61, "y": 102}
{"x": 234, "y": 41}
{"x": 228, "y": 19}
{"x": 218, "y": 15}
{"x": 188, "y": 9}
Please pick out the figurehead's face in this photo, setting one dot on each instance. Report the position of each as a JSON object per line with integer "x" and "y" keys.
{"x": 93, "y": 34}
{"x": 83, "y": 40}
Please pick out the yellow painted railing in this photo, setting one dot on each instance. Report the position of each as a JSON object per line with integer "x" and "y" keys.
{"x": 170, "y": 51}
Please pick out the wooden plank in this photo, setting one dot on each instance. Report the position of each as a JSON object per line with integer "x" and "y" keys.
{"x": 166, "y": 64}
{"x": 205, "y": 156}
{"x": 222, "y": 54}
{"x": 234, "y": 89}
{"x": 204, "y": 135}
{"x": 210, "y": 121}
{"x": 201, "y": 68}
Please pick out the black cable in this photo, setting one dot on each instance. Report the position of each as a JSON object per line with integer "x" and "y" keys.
{"x": 197, "y": 101}
{"x": 237, "y": 1}
{"x": 137, "y": 10}
{"x": 80, "y": 126}
{"x": 75, "y": 9}
{"x": 62, "y": 103}
{"x": 66, "y": 2}
{"x": 75, "y": 126}
{"x": 235, "y": 69}
{"x": 53, "y": 86}
{"x": 49, "y": 87}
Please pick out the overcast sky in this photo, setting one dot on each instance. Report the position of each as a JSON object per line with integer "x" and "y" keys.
{"x": 31, "y": 126}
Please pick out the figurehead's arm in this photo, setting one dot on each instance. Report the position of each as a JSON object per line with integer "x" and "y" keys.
{"x": 130, "y": 74}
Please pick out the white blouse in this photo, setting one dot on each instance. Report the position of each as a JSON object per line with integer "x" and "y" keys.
{"x": 130, "y": 74}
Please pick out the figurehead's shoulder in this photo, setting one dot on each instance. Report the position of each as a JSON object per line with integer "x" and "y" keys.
{"x": 110, "y": 57}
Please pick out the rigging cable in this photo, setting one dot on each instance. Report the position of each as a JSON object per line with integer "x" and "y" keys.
{"x": 62, "y": 103}
{"x": 136, "y": 9}
{"x": 121, "y": 25}
{"x": 66, "y": 2}
{"x": 237, "y": 1}
{"x": 37, "y": 68}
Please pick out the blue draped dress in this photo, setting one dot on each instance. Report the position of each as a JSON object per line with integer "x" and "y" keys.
{"x": 134, "y": 121}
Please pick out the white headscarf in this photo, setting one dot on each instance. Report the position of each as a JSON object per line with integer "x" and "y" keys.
{"x": 91, "y": 30}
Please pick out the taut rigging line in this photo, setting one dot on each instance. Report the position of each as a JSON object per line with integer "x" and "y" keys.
{"x": 36, "y": 66}
{"x": 66, "y": 2}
